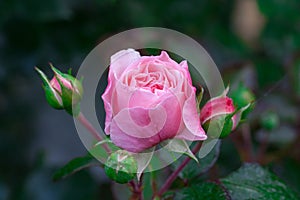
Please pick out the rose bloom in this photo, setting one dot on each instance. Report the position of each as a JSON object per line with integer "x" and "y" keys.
{"x": 149, "y": 99}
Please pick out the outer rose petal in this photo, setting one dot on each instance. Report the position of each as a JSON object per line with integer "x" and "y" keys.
{"x": 184, "y": 65}
{"x": 129, "y": 122}
{"x": 215, "y": 107}
{"x": 130, "y": 143}
{"x": 164, "y": 123}
{"x": 193, "y": 130}
{"x": 119, "y": 62}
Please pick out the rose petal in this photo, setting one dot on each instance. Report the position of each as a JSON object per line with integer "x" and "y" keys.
{"x": 215, "y": 107}
{"x": 122, "y": 60}
{"x": 119, "y": 62}
{"x": 172, "y": 108}
{"x": 106, "y": 97}
{"x": 193, "y": 130}
{"x": 164, "y": 124}
{"x": 130, "y": 143}
{"x": 143, "y": 98}
{"x": 184, "y": 65}
{"x": 128, "y": 123}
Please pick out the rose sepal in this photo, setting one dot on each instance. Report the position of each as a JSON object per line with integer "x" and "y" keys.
{"x": 52, "y": 95}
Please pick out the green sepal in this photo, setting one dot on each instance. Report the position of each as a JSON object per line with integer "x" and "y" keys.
{"x": 219, "y": 127}
{"x": 52, "y": 96}
{"x": 199, "y": 98}
{"x": 71, "y": 97}
{"x": 52, "y": 99}
{"x": 121, "y": 167}
{"x": 179, "y": 146}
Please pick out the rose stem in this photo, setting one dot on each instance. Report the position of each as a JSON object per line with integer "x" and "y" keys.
{"x": 92, "y": 130}
{"x": 246, "y": 134}
{"x": 174, "y": 175}
{"x": 262, "y": 149}
{"x": 137, "y": 192}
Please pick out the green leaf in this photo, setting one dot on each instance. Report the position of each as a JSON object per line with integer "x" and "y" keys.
{"x": 179, "y": 146}
{"x": 252, "y": 181}
{"x": 74, "y": 166}
{"x": 207, "y": 190}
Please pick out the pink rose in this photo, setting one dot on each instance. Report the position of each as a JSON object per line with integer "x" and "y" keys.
{"x": 149, "y": 99}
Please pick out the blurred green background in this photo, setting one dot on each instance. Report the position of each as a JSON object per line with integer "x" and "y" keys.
{"x": 256, "y": 42}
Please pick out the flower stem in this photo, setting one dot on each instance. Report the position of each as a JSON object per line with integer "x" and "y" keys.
{"x": 174, "y": 175}
{"x": 246, "y": 134}
{"x": 92, "y": 130}
{"x": 137, "y": 191}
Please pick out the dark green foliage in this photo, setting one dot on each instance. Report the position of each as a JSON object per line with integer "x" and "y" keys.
{"x": 252, "y": 181}
{"x": 207, "y": 190}
{"x": 74, "y": 166}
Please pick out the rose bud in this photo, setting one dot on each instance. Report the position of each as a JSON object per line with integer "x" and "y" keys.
{"x": 66, "y": 89}
{"x": 121, "y": 166}
{"x": 270, "y": 120}
{"x": 221, "y": 114}
{"x": 241, "y": 97}
{"x": 149, "y": 99}
{"x": 52, "y": 95}
{"x": 70, "y": 89}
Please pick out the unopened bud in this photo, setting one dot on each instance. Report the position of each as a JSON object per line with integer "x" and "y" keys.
{"x": 241, "y": 97}
{"x": 52, "y": 95}
{"x": 270, "y": 120}
{"x": 121, "y": 166}
{"x": 63, "y": 91}
{"x": 220, "y": 116}
{"x": 70, "y": 89}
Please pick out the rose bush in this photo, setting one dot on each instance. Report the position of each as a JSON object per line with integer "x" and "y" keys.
{"x": 149, "y": 99}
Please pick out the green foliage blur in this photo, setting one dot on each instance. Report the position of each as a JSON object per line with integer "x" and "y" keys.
{"x": 253, "y": 42}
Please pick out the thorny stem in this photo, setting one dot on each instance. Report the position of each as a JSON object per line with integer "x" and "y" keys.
{"x": 92, "y": 130}
{"x": 174, "y": 175}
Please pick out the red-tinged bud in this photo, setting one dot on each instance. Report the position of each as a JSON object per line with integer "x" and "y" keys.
{"x": 221, "y": 114}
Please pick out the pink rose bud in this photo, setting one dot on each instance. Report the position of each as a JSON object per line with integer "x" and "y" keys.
{"x": 149, "y": 99}
{"x": 220, "y": 113}
{"x": 52, "y": 95}
{"x": 63, "y": 91}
